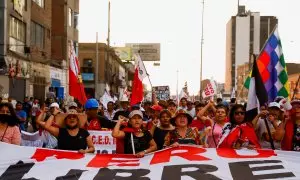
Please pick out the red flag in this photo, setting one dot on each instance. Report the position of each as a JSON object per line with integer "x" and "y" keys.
{"x": 137, "y": 94}
{"x": 76, "y": 87}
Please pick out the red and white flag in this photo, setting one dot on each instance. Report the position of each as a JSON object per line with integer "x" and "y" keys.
{"x": 137, "y": 94}
{"x": 76, "y": 87}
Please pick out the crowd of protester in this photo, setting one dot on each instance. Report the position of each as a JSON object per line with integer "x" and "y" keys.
{"x": 152, "y": 126}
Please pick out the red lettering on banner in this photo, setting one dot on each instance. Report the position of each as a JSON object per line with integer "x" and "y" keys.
{"x": 190, "y": 153}
{"x": 106, "y": 140}
{"x": 231, "y": 153}
{"x": 94, "y": 139}
{"x": 104, "y": 160}
{"x": 42, "y": 154}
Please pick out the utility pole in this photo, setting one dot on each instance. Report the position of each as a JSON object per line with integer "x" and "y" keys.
{"x": 201, "y": 58}
{"x": 97, "y": 68}
{"x": 177, "y": 98}
{"x": 108, "y": 41}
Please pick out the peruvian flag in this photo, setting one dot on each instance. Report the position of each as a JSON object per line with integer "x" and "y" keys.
{"x": 76, "y": 87}
{"x": 137, "y": 94}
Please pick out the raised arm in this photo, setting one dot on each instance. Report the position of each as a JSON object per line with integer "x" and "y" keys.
{"x": 51, "y": 129}
{"x": 203, "y": 110}
{"x": 117, "y": 133}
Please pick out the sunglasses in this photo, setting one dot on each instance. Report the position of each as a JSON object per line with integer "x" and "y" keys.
{"x": 239, "y": 113}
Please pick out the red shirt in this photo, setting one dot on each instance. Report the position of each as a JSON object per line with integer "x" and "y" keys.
{"x": 242, "y": 133}
{"x": 199, "y": 124}
{"x": 94, "y": 125}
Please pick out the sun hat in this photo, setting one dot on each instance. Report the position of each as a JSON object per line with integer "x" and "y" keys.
{"x": 60, "y": 118}
{"x": 180, "y": 112}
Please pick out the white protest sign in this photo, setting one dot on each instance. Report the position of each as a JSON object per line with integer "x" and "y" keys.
{"x": 103, "y": 141}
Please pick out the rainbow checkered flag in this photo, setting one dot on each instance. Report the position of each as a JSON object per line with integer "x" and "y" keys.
{"x": 272, "y": 68}
{"x": 268, "y": 78}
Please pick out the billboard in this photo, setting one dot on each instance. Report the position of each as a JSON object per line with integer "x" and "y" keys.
{"x": 147, "y": 51}
{"x": 124, "y": 53}
{"x": 162, "y": 92}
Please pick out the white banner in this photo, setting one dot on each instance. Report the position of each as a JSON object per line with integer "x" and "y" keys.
{"x": 104, "y": 142}
{"x": 210, "y": 89}
{"x": 184, "y": 162}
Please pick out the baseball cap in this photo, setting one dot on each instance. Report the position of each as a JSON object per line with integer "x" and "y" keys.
{"x": 54, "y": 105}
{"x": 156, "y": 108}
{"x": 73, "y": 104}
{"x": 136, "y": 112}
{"x": 275, "y": 104}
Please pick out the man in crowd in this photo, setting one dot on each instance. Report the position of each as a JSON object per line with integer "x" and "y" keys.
{"x": 109, "y": 113}
{"x": 124, "y": 110}
{"x": 34, "y": 111}
{"x": 21, "y": 114}
{"x": 183, "y": 103}
{"x": 190, "y": 109}
{"x": 172, "y": 107}
{"x": 27, "y": 108}
{"x": 96, "y": 122}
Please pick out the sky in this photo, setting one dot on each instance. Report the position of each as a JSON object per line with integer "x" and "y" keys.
{"x": 176, "y": 25}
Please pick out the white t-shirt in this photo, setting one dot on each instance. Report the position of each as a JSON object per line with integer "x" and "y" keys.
{"x": 35, "y": 109}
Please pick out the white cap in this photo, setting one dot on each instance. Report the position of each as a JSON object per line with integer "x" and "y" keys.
{"x": 54, "y": 105}
{"x": 73, "y": 104}
{"x": 136, "y": 112}
{"x": 275, "y": 104}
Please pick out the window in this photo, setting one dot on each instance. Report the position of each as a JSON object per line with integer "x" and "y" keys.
{"x": 17, "y": 29}
{"x": 70, "y": 17}
{"x": 76, "y": 19}
{"x": 87, "y": 63}
{"x": 40, "y": 3}
{"x": 37, "y": 35}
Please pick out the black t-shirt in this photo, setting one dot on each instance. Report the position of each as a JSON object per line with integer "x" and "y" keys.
{"x": 159, "y": 137}
{"x": 296, "y": 139}
{"x": 67, "y": 142}
{"x": 122, "y": 113}
{"x": 140, "y": 143}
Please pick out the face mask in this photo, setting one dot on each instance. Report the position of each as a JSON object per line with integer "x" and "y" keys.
{"x": 4, "y": 118}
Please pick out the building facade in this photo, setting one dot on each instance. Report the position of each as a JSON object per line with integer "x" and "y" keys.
{"x": 242, "y": 74}
{"x": 25, "y": 47}
{"x": 246, "y": 34}
{"x": 65, "y": 14}
{"x": 112, "y": 72}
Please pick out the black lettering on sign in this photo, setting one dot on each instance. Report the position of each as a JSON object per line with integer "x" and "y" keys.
{"x": 73, "y": 174}
{"x": 176, "y": 172}
{"x": 242, "y": 170}
{"x": 16, "y": 171}
{"x": 135, "y": 174}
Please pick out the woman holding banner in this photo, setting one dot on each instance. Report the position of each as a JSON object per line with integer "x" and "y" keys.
{"x": 183, "y": 133}
{"x": 9, "y": 130}
{"x": 70, "y": 135}
{"x": 160, "y": 128}
{"x": 239, "y": 132}
{"x": 214, "y": 132}
{"x": 137, "y": 141}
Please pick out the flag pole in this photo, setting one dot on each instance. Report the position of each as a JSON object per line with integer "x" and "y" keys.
{"x": 269, "y": 133}
{"x": 201, "y": 49}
